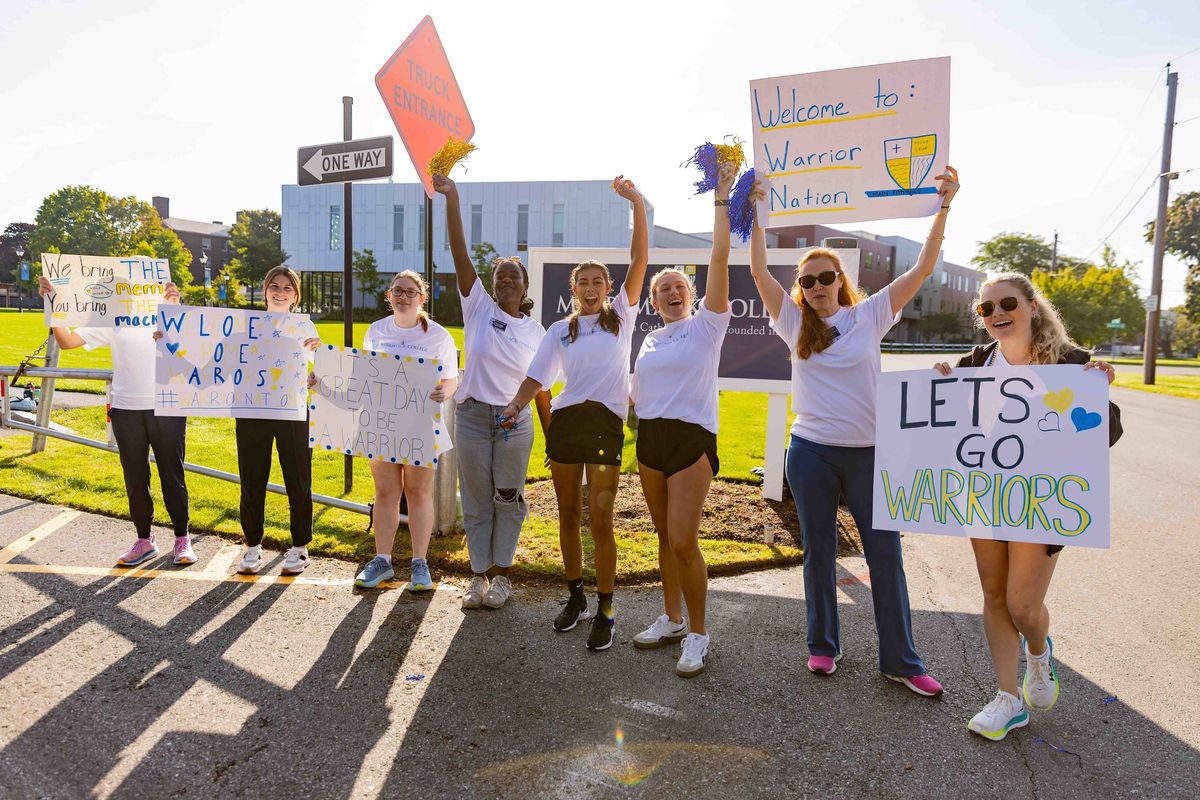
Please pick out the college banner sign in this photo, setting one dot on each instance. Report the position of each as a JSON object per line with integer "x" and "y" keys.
{"x": 1014, "y": 453}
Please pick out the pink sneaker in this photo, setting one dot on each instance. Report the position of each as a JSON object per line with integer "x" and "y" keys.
{"x": 142, "y": 550}
{"x": 823, "y": 665}
{"x": 183, "y": 550}
{"x": 924, "y": 684}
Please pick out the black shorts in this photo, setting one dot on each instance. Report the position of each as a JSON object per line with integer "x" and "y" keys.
{"x": 585, "y": 433}
{"x": 671, "y": 445}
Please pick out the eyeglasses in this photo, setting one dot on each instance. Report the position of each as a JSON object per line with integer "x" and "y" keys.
{"x": 409, "y": 293}
{"x": 986, "y": 308}
{"x": 826, "y": 278}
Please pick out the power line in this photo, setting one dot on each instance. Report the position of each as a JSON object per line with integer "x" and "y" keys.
{"x": 1128, "y": 133}
{"x": 1122, "y": 222}
{"x": 1141, "y": 171}
{"x": 1189, "y": 119}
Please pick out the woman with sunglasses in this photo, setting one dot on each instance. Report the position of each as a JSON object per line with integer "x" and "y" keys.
{"x": 407, "y": 332}
{"x": 1025, "y": 329}
{"x": 675, "y": 398}
{"x": 833, "y": 335}
{"x": 591, "y": 348}
{"x": 500, "y": 339}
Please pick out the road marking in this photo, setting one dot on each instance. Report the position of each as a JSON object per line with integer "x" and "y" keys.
{"x": 645, "y": 706}
{"x": 27, "y": 541}
{"x": 222, "y": 562}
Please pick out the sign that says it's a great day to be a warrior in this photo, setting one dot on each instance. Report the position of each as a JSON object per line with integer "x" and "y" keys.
{"x": 375, "y": 405}
{"x": 103, "y": 291}
{"x": 1017, "y": 454}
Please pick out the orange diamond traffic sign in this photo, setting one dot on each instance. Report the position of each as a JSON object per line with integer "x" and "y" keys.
{"x": 423, "y": 98}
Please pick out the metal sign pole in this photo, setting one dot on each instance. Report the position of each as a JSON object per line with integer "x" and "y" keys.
{"x": 347, "y": 261}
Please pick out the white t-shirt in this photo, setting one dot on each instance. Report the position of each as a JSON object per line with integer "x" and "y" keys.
{"x": 595, "y": 365}
{"x": 436, "y": 342}
{"x": 499, "y": 348}
{"x": 833, "y": 392}
{"x": 133, "y": 353}
{"x": 675, "y": 375}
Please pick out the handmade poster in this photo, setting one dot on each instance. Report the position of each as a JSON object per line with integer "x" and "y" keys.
{"x": 103, "y": 291}
{"x": 229, "y": 362}
{"x": 854, "y": 144}
{"x": 375, "y": 405}
{"x": 1015, "y": 453}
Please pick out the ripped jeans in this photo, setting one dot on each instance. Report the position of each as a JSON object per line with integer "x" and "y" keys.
{"x": 491, "y": 471}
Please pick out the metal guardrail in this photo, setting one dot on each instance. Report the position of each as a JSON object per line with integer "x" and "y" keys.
{"x": 923, "y": 347}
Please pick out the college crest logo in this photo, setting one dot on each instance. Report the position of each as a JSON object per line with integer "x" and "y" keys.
{"x": 908, "y": 160}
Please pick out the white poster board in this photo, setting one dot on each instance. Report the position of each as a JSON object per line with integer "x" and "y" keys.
{"x": 103, "y": 291}
{"x": 374, "y": 405}
{"x": 228, "y": 362}
{"x": 849, "y": 145}
{"x": 1015, "y": 453}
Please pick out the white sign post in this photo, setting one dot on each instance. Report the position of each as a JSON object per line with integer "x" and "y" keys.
{"x": 1016, "y": 453}
{"x": 103, "y": 291}
{"x": 854, "y": 144}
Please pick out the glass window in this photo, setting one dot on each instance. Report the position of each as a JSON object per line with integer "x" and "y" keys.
{"x": 868, "y": 258}
{"x": 206, "y": 244}
{"x": 523, "y": 227}
{"x": 397, "y": 227}
{"x": 421, "y": 227}
{"x": 943, "y": 279}
{"x": 476, "y": 224}
{"x": 335, "y": 227}
{"x": 560, "y": 220}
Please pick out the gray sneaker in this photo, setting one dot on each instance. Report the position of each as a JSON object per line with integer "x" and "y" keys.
{"x": 499, "y": 593}
{"x": 474, "y": 595}
{"x": 420, "y": 579}
{"x": 377, "y": 570}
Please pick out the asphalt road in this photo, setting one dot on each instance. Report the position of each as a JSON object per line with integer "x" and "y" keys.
{"x": 184, "y": 682}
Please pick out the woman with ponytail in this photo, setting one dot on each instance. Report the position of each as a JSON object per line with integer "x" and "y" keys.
{"x": 591, "y": 348}
{"x": 500, "y": 339}
{"x": 834, "y": 336}
{"x": 1025, "y": 329}
{"x": 407, "y": 332}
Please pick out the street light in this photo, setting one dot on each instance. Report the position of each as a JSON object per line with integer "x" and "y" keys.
{"x": 207, "y": 277}
{"x": 20, "y": 251}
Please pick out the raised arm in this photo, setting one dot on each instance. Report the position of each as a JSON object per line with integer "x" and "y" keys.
{"x": 905, "y": 287}
{"x": 769, "y": 289}
{"x": 464, "y": 268}
{"x": 67, "y": 339}
{"x": 639, "y": 246}
{"x": 716, "y": 288}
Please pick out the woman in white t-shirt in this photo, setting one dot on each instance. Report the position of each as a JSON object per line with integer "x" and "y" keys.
{"x": 500, "y": 339}
{"x": 833, "y": 336}
{"x": 408, "y": 331}
{"x": 591, "y": 348}
{"x": 675, "y": 398}
{"x": 138, "y": 431}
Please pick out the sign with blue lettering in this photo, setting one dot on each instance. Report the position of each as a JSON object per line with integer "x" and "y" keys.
{"x": 103, "y": 291}
{"x": 227, "y": 362}
{"x": 853, "y": 144}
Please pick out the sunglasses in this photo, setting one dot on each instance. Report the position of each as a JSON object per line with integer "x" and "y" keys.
{"x": 826, "y": 278}
{"x": 409, "y": 293}
{"x": 986, "y": 308}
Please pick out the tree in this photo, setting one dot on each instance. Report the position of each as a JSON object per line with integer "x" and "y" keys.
{"x": 942, "y": 325}
{"x": 366, "y": 272}
{"x": 483, "y": 254}
{"x": 1013, "y": 252}
{"x": 16, "y": 234}
{"x": 257, "y": 238}
{"x": 1168, "y": 322}
{"x": 1183, "y": 241}
{"x": 1187, "y": 333}
{"x": 1087, "y": 304}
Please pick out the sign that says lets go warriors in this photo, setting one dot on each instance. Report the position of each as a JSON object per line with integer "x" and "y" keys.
{"x": 423, "y": 98}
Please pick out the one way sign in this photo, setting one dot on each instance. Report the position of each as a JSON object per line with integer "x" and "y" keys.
{"x": 339, "y": 162}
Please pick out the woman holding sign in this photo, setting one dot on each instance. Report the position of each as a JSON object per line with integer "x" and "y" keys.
{"x": 591, "y": 348}
{"x": 407, "y": 332}
{"x": 138, "y": 431}
{"x": 1025, "y": 329}
{"x": 833, "y": 335}
{"x": 500, "y": 339}
{"x": 675, "y": 398}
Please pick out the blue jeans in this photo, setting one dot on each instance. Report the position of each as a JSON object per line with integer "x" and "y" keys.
{"x": 817, "y": 474}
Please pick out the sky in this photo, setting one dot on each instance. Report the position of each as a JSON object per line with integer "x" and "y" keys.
{"x": 1057, "y": 106}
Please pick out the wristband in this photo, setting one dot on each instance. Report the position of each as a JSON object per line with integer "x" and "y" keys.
{"x": 945, "y": 208}
{"x": 720, "y": 202}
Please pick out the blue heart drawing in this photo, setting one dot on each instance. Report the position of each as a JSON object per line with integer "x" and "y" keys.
{"x": 1084, "y": 419}
{"x": 172, "y": 347}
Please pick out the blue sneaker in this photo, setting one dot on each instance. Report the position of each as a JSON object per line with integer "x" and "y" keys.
{"x": 999, "y": 717}
{"x": 420, "y": 581}
{"x": 377, "y": 570}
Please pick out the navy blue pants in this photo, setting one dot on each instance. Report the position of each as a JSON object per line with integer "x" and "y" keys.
{"x": 817, "y": 474}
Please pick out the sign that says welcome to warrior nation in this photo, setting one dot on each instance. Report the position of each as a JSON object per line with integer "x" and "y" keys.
{"x": 226, "y": 362}
{"x": 103, "y": 291}
{"x": 1017, "y": 454}
{"x": 374, "y": 405}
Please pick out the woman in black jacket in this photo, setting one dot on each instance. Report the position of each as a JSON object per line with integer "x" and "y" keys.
{"x": 1026, "y": 330}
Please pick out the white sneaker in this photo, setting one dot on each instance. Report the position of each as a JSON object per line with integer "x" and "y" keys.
{"x": 1041, "y": 680}
{"x": 661, "y": 631}
{"x": 691, "y": 660}
{"x": 474, "y": 596}
{"x": 499, "y": 592}
{"x": 296, "y": 561}
{"x": 999, "y": 717}
{"x": 251, "y": 561}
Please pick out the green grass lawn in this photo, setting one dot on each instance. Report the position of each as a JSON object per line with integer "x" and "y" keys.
{"x": 1187, "y": 386}
{"x": 1162, "y": 362}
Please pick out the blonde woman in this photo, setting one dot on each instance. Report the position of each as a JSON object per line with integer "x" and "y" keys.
{"x": 1025, "y": 329}
{"x": 833, "y": 336}
{"x": 591, "y": 348}
{"x": 407, "y": 332}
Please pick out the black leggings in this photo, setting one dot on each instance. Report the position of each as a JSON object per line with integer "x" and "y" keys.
{"x": 137, "y": 433}
{"x": 254, "y": 439}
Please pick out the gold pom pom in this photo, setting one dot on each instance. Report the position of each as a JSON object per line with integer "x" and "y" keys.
{"x": 452, "y": 152}
{"x": 731, "y": 153}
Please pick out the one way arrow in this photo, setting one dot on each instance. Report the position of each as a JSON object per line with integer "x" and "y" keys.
{"x": 321, "y": 164}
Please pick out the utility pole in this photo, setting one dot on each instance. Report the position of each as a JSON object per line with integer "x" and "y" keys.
{"x": 1160, "y": 236}
{"x": 1054, "y": 254}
